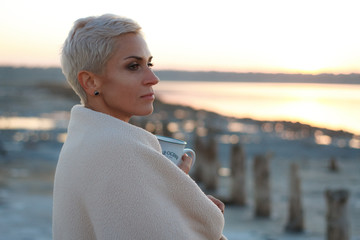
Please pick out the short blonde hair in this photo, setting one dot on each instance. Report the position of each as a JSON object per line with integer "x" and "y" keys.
{"x": 90, "y": 44}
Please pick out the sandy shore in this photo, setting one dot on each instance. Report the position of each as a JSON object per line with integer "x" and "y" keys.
{"x": 26, "y": 201}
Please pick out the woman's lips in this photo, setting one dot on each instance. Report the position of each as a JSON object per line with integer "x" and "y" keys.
{"x": 149, "y": 96}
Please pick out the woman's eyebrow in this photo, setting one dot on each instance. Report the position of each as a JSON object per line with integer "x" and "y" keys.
{"x": 138, "y": 58}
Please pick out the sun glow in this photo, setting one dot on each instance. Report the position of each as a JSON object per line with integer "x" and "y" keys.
{"x": 326, "y": 105}
{"x": 303, "y": 63}
{"x": 242, "y": 36}
{"x": 306, "y": 110}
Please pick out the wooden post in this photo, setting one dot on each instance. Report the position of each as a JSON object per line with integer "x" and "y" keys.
{"x": 238, "y": 175}
{"x": 295, "y": 216}
{"x": 3, "y": 151}
{"x": 262, "y": 186}
{"x": 211, "y": 165}
{"x": 198, "y": 173}
{"x": 165, "y": 129}
{"x": 333, "y": 165}
{"x": 337, "y": 227}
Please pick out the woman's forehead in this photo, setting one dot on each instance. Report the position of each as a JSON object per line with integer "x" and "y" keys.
{"x": 132, "y": 44}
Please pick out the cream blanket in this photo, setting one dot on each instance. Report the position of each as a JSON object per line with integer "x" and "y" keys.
{"x": 112, "y": 182}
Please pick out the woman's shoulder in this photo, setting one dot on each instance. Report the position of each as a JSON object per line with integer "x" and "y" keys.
{"x": 103, "y": 126}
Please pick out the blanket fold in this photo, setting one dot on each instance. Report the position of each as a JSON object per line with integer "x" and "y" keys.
{"x": 112, "y": 182}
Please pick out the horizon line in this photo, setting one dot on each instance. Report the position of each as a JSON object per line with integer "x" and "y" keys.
{"x": 198, "y": 71}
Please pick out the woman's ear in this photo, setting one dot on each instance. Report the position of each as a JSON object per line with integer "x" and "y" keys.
{"x": 87, "y": 81}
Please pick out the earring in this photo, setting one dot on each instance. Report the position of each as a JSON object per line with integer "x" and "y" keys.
{"x": 96, "y": 93}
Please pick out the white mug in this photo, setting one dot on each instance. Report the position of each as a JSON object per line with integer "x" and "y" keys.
{"x": 174, "y": 149}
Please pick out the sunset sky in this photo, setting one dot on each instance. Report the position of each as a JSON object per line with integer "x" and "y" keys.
{"x": 288, "y": 36}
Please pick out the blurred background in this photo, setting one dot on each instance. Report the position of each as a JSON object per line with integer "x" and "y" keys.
{"x": 266, "y": 92}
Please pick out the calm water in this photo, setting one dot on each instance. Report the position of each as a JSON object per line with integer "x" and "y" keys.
{"x": 335, "y": 106}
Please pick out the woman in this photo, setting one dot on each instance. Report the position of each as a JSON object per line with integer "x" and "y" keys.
{"x": 111, "y": 181}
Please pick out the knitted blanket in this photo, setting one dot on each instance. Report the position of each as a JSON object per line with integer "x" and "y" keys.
{"x": 112, "y": 182}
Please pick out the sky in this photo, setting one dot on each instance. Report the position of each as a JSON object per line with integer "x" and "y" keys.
{"x": 272, "y": 36}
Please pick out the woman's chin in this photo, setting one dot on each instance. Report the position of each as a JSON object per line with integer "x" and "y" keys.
{"x": 146, "y": 112}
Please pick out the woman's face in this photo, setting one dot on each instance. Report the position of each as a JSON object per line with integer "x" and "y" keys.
{"x": 127, "y": 79}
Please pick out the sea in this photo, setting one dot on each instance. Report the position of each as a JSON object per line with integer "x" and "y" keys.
{"x": 332, "y": 106}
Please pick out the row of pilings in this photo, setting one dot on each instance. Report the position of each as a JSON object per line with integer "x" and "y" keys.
{"x": 206, "y": 172}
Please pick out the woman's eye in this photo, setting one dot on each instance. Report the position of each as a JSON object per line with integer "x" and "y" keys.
{"x": 150, "y": 65}
{"x": 134, "y": 66}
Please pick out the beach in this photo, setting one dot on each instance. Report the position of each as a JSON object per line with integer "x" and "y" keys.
{"x": 29, "y": 157}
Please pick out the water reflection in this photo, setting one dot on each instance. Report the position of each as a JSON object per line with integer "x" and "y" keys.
{"x": 27, "y": 123}
{"x": 45, "y": 122}
{"x": 181, "y": 124}
{"x": 321, "y": 138}
{"x": 355, "y": 142}
{"x": 19, "y": 133}
{"x": 324, "y": 105}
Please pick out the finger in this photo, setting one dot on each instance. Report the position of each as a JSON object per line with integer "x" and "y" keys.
{"x": 185, "y": 163}
{"x": 218, "y": 203}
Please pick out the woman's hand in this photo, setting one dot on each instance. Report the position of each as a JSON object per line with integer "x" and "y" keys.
{"x": 218, "y": 203}
{"x": 185, "y": 163}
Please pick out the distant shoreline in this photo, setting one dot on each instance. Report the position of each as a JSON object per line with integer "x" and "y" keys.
{"x": 25, "y": 74}
{"x": 259, "y": 77}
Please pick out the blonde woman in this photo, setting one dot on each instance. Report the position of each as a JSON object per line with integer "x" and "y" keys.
{"x": 111, "y": 181}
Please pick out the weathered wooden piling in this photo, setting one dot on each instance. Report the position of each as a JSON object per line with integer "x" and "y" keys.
{"x": 165, "y": 129}
{"x": 3, "y": 151}
{"x": 337, "y": 225}
{"x": 295, "y": 222}
{"x": 211, "y": 166}
{"x": 198, "y": 172}
{"x": 333, "y": 165}
{"x": 261, "y": 174}
{"x": 238, "y": 175}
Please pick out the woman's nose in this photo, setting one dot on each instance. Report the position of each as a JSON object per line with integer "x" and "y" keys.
{"x": 151, "y": 78}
